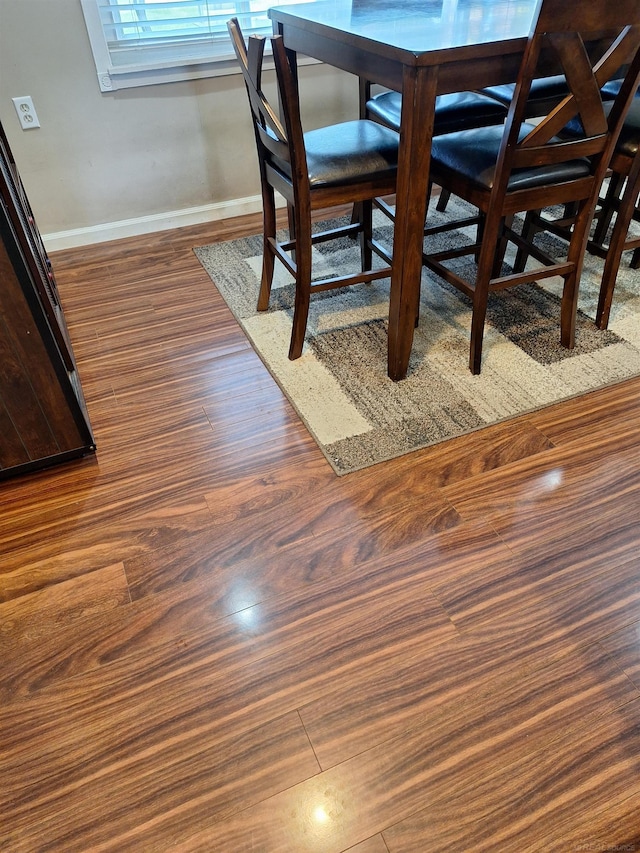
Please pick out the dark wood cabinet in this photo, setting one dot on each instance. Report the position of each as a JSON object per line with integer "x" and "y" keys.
{"x": 43, "y": 416}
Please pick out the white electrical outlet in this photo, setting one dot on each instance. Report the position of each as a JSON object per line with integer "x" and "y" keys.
{"x": 26, "y": 112}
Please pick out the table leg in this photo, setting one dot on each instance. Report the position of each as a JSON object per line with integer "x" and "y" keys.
{"x": 418, "y": 102}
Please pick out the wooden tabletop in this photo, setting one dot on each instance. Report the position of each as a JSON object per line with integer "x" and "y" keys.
{"x": 412, "y": 32}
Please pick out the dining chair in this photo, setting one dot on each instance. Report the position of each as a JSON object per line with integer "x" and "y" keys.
{"x": 545, "y": 94}
{"x": 623, "y": 198}
{"x": 525, "y": 166}
{"x": 347, "y": 163}
{"x": 617, "y": 204}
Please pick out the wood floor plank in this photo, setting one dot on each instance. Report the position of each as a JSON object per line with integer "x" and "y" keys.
{"x": 342, "y": 723}
{"x": 507, "y": 810}
{"x": 223, "y": 706}
{"x": 615, "y": 827}
{"x": 59, "y": 548}
{"x": 624, "y": 647}
{"x": 62, "y": 604}
{"x": 566, "y": 499}
{"x": 255, "y": 524}
{"x": 431, "y": 767}
{"x": 475, "y": 595}
{"x": 371, "y": 845}
{"x": 195, "y": 783}
{"x": 211, "y": 642}
{"x": 230, "y": 375}
{"x": 258, "y": 662}
{"x": 613, "y": 409}
{"x": 475, "y": 454}
{"x": 171, "y": 619}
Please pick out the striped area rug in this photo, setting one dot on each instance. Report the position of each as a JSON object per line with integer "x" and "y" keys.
{"x": 340, "y": 388}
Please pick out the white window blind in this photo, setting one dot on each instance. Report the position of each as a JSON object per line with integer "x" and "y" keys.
{"x": 139, "y": 42}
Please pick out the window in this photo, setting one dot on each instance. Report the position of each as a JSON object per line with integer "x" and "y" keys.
{"x": 139, "y": 42}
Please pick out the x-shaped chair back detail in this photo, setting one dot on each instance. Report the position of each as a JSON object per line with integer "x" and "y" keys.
{"x": 555, "y": 34}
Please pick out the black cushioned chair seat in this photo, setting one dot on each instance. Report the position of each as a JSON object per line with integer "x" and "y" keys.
{"x": 612, "y": 88}
{"x": 544, "y": 94}
{"x": 453, "y": 151}
{"x": 629, "y": 139}
{"x": 452, "y": 112}
{"x": 351, "y": 152}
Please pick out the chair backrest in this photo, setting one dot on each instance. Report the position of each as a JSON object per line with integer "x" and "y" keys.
{"x": 591, "y": 43}
{"x": 279, "y": 135}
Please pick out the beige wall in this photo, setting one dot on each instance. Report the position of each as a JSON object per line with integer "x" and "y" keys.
{"x": 139, "y": 154}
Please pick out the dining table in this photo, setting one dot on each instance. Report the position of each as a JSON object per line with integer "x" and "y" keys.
{"x": 421, "y": 48}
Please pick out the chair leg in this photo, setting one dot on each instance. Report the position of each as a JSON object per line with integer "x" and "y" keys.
{"x": 568, "y": 310}
{"x": 575, "y": 256}
{"x": 501, "y": 248}
{"x": 616, "y": 246}
{"x": 366, "y": 234}
{"x": 443, "y": 200}
{"x": 529, "y": 231}
{"x": 303, "y": 288}
{"x": 607, "y": 207}
{"x": 268, "y": 257}
{"x": 490, "y": 236}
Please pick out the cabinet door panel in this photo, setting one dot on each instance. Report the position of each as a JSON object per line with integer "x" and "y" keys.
{"x": 43, "y": 416}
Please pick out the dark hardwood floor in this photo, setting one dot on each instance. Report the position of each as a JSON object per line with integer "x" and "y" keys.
{"x": 211, "y": 643}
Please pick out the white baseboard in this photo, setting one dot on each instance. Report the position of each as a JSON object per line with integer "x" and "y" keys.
{"x": 150, "y": 224}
